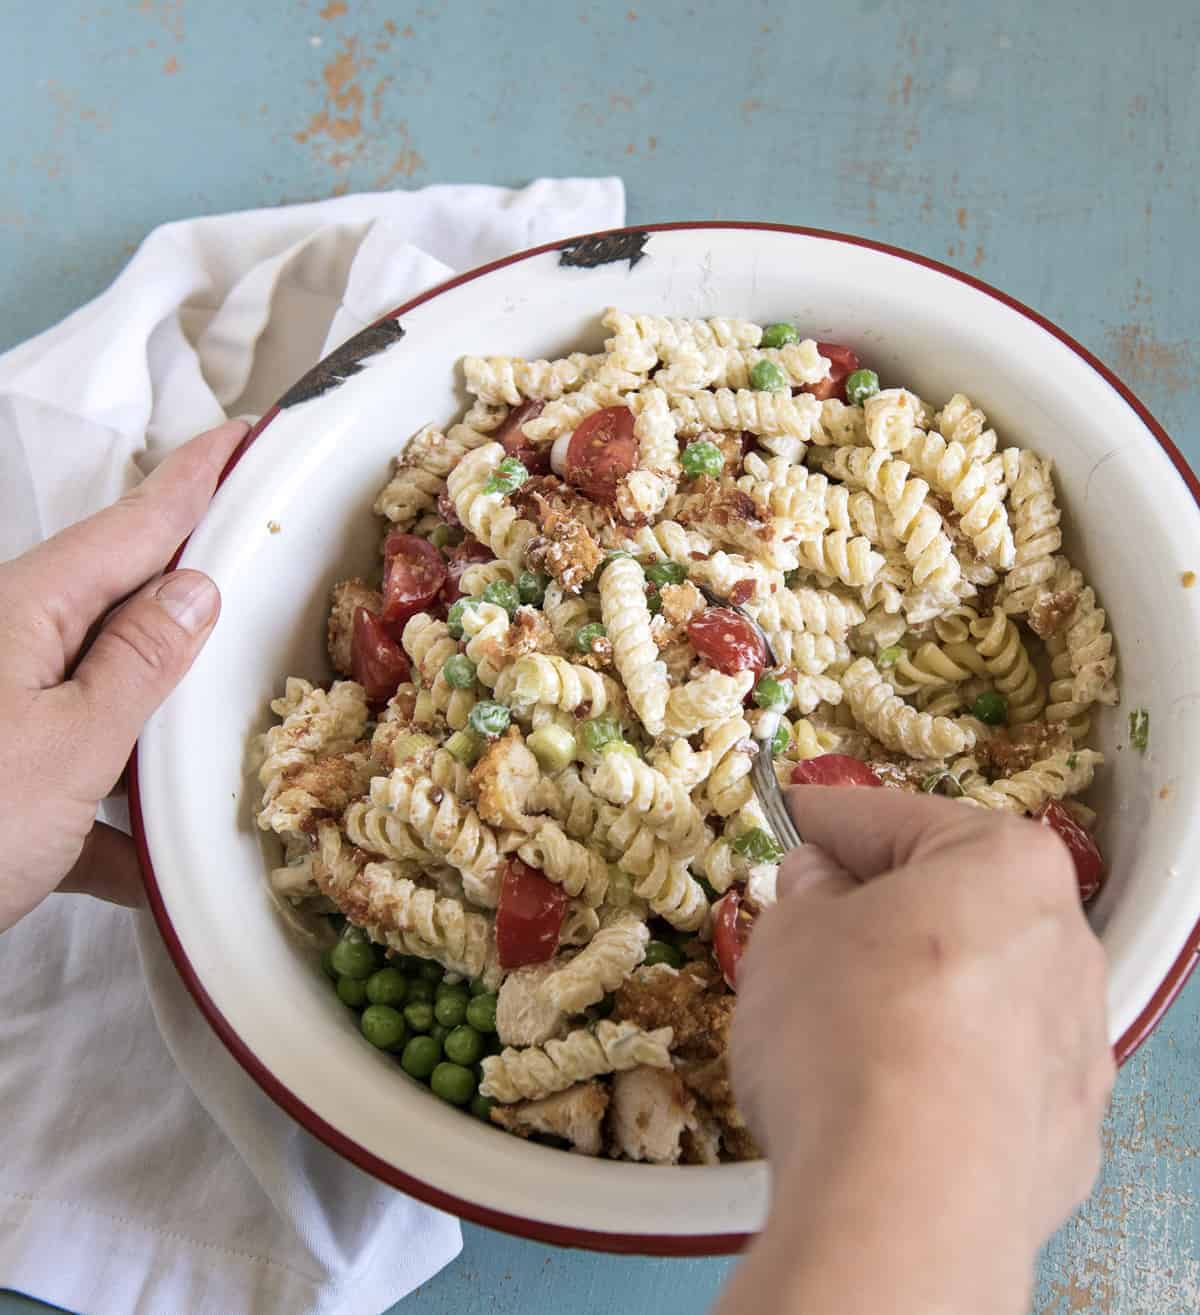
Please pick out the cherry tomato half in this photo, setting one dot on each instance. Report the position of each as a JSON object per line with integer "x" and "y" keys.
{"x": 465, "y": 554}
{"x": 413, "y": 573}
{"x": 833, "y": 769}
{"x": 727, "y": 641}
{"x": 377, "y": 662}
{"x": 533, "y": 456}
{"x": 529, "y": 916}
{"x": 731, "y": 930}
{"x": 1089, "y": 865}
{"x": 843, "y": 361}
{"x": 602, "y": 452}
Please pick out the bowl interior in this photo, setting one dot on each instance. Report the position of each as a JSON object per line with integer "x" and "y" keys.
{"x": 1132, "y": 527}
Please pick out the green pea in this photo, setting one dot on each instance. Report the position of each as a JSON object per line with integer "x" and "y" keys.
{"x": 476, "y": 987}
{"x": 464, "y": 1046}
{"x": 767, "y": 377}
{"x": 599, "y": 731}
{"x": 489, "y": 718}
{"x": 654, "y": 601}
{"x": 445, "y": 536}
{"x": 504, "y": 595}
{"x": 991, "y": 708}
{"x": 586, "y": 636}
{"x": 384, "y": 1027}
{"x": 702, "y": 458}
{"x": 531, "y": 586}
{"x": 459, "y": 671}
{"x": 451, "y": 1010}
{"x": 510, "y": 475}
{"x": 439, "y": 1032}
{"x": 481, "y": 1012}
{"x": 420, "y": 992}
{"x": 453, "y": 1083}
{"x": 781, "y": 739}
{"x": 860, "y": 385}
{"x": 418, "y": 1014}
{"x": 482, "y": 1106}
{"x": 772, "y": 693}
{"x": 327, "y": 963}
{"x": 758, "y": 846}
{"x": 445, "y": 988}
{"x": 455, "y": 615}
{"x": 661, "y": 952}
{"x": 666, "y": 573}
{"x": 466, "y": 746}
{"x": 352, "y": 991}
{"x": 779, "y": 335}
{"x": 388, "y": 986}
{"x": 353, "y": 958}
{"x": 431, "y": 971}
{"x": 420, "y": 1057}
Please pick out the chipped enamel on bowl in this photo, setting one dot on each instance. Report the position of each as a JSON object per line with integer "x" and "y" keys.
{"x": 312, "y": 468}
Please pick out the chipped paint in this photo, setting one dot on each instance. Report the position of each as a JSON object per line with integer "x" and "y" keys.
{"x": 334, "y": 9}
{"x": 1145, "y": 361}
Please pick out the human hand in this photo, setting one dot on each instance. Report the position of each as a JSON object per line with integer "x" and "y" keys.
{"x": 76, "y": 685}
{"x": 920, "y": 1044}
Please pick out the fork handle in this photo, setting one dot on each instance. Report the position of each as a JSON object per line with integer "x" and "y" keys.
{"x": 776, "y": 812}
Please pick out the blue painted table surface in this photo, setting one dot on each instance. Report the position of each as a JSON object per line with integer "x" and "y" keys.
{"x": 1048, "y": 147}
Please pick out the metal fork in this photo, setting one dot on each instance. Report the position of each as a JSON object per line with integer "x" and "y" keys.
{"x": 762, "y": 771}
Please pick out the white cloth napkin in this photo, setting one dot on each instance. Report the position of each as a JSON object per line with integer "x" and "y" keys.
{"x": 141, "y": 1171}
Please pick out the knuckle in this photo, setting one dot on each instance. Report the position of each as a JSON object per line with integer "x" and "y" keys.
{"x": 147, "y": 638}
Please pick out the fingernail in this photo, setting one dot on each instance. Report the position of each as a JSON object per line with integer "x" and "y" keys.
{"x": 189, "y": 599}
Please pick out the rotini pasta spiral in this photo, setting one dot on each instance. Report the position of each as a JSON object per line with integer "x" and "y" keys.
{"x": 610, "y": 956}
{"x": 662, "y": 804}
{"x": 917, "y": 524}
{"x": 513, "y": 380}
{"x": 567, "y": 863}
{"x": 671, "y": 333}
{"x": 1036, "y": 534}
{"x": 837, "y": 555}
{"x": 448, "y": 828}
{"x": 489, "y": 516}
{"x": 786, "y": 491}
{"x": 999, "y": 644}
{"x": 890, "y": 418}
{"x": 568, "y": 686}
{"x": 1054, "y": 777}
{"x": 760, "y": 413}
{"x": 627, "y": 622}
{"x": 694, "y": 368}
{"x": 397, "y": 913}
{"x": 484, "y": 628}
{"x": 537, "y": 1071}
{"x": 893, "y": 723}
{"x": 710, "y": 698}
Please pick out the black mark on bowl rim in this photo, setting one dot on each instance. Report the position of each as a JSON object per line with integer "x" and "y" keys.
{"x": 588, "y": 252}
{"x": 344, "y": 362}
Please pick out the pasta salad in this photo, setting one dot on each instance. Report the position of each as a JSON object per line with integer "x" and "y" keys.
{"x": 523, "y": 814}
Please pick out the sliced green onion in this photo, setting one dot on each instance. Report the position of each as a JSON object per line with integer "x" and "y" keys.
{"x": 1139, "y": 729}
{"x": 661, "y": 573}
{"x": 510, "y": 475}
{"x": 758, "y": 846}
{"x": 888, "y": 657}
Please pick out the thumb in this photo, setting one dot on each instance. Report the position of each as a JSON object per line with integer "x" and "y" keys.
{"x": 142, "y": 652}
{"x": 809, "y": 870}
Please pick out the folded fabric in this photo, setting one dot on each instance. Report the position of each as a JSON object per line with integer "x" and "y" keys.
{"x": 143, "y": 1172}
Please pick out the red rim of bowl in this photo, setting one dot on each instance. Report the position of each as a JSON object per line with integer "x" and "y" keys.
{"x": 627, "y": 1243}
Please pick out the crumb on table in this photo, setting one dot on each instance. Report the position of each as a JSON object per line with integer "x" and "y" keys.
{"x": 273, "y": 527}
{"x": 1187, "y": 579}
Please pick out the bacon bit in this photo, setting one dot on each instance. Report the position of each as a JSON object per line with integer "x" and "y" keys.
{"x": 711, "y": 502}
{"x": 986, "y": 600}
{"x": 742, "y": 592}
{"x": 436, "y": 795}
{"x": 1051, "y": 611}
{"x": 1017, "y": 750}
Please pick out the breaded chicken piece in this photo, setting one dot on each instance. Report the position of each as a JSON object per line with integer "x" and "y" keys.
{"x": 576, "y": 1115}
{"x": 504, "y": 779}
{"x": 695, "y": 1004}
{"x": 318, "y": 790}
{"x": 523, "y": 1017}
{"x": 348, "y": 596}
{"x": 651, "y": 1110}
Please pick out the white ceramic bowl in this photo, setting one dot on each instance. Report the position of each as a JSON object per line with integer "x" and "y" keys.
{"x": 313, "y": 467}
